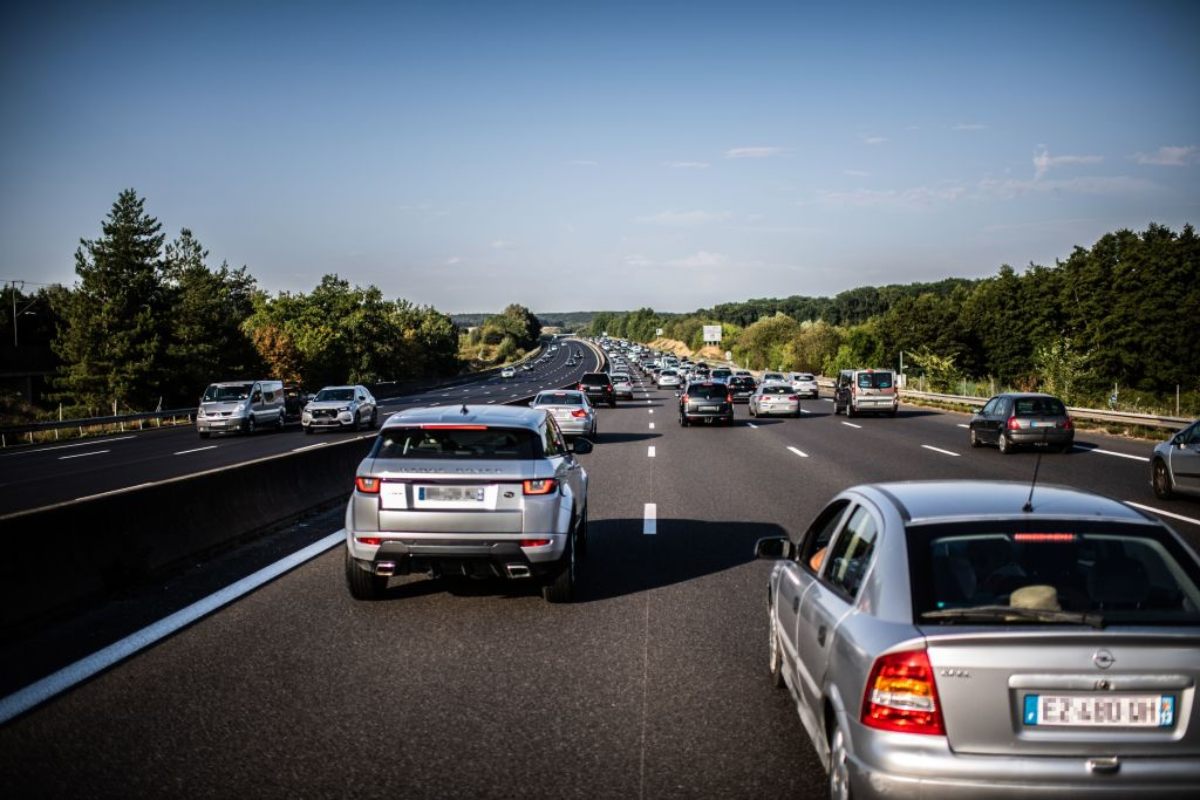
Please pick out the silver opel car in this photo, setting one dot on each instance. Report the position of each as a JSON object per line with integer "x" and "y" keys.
{"x": 971, "y": 639}
{"x": 574, "y": 413}
{"x": 1175, "y": 467}
{"x": 474, "y": 491}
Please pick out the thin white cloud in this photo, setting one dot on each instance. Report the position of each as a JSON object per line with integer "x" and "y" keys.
{"x": 970, "y": 126}
{"x": 917, "y": 197}
{"x": 503, "y": 244}
{"x": 686, "y": 164}
{"x": 1043, "y": 162}
{"x": 1095, "y": 185}
{"x": 684, "y": 219}
{"x": 856, "y": 173}
{"x": 754, "y": 152}
{"x": 638, "y": 260}
{"x": 874, "y": 139}
{"x": 702, "y": 259}
{"x": 453, "y": 260}
{"x": 1170, "y": 156}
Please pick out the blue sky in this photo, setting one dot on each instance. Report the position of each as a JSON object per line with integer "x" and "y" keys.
{"x": 600, "y": 155}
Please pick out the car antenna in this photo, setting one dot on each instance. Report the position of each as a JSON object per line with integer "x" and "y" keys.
{"x": 464, "y": 410}
{"x": 1028, "y": 507}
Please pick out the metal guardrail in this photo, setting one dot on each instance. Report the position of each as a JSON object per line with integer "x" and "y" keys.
{"x": 1091, "y": 414}
{"x": 10, "y": 433}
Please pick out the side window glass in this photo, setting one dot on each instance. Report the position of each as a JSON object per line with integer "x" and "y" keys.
{"x": 990, "y": 408}
{"x": 851, "y": 553}
{"x": 1189, "y": 435}
{"x": 549, "y": 441}
{"x": 815, "y": 544}
{"x": 1004, "y": 408}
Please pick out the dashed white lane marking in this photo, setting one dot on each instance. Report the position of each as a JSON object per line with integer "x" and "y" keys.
{"x": 798, "y": 452}
{"x": 91, "y": 443}
{"x": 650, "y": 451}
{"x": 647, "y": 402}
{"x": 827, "y": 399}
{"x": 35, "y": 694}
{"x": 751, "y": 425}
{"x": 1112, "y": 453}
{"x": 940, "y": 450}
{"x": 650, "y": 519}
{"x": 652, "y": 411}
{"x": 309, "y": 447}
{"x": 195, "y": 450}
{"x": 651, "y": 426}
{"x": 1154, "y": 510}
{"x": 852, "y": 425}
{"x": 961, "y": 425}
{"x": 84, "y": 455}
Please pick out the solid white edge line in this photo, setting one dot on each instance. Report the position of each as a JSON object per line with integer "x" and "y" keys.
{"x": 195, "y": 450}
{"x": 798, "y": 452}
{"x": 39, "y": 692}
{"x": 940, "y": 450}
{"x": 651, "y": 452}
{"x": 962, "y": 425}
{"x": 1113, "y": 453}
{"x": 1154, "y": 510}
{"x": 650, "y": 519}
{"x": 852, "y": 425}
{"x": 752, "y": 425}
{"x": 309, "y": 447}
{"x": 89, "y": 443}
{"x": 85, "y": 455}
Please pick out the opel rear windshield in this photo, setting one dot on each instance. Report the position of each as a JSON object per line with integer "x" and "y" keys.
{"x": 217, "y": 394}
{"x": 1037, "y": 572}
{"x": 558, "y": 399}
{"x": 456, "y": 442}
{"x": 874, "y": 380}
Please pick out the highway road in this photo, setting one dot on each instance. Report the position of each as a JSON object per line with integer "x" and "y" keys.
{"x": 42, "y": 475}
{"x": 653, "y": 685}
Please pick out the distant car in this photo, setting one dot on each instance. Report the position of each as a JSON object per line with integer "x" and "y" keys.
{"x": 773, "y": 377}
{"x": 472, "y": 491}
{"x": 599, "y": 388}
{"x": 1175, "y": 465}
{"x": 742, "y": 373}
{"x": 668, "y": 378}
{"x": 1014, "y": 420}
{"x": 340, "y": 407}
{"x": 574, "y": 413}
{"x": 805, "y": 385}
{"x": 705, "y": 402}
{"x": 774, "y": 399}
{"x": 720, "y": 374}
{"x": 742, "y": 387}
{"x": 866, "y": 390}
{"x": 966, "y": 639}
{"x": 507, "y": 372}
{"x": 622, "y": 385}
{"x": 527, "y": 366}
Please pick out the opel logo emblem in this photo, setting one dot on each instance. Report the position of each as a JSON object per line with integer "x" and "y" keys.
{"x": 1103, "y": 659}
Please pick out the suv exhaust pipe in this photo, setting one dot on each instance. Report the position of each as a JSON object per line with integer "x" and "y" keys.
{"x": 517, "y": 570}
{"x": 385, "y": 569}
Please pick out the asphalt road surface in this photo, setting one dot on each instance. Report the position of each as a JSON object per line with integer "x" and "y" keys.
{"x": 41, "y": 475}
{"x": 653, "y": 685}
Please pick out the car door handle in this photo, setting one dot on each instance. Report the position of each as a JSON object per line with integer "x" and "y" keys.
{"x": 796, "y": 604}
{"x": 821, "y": 631}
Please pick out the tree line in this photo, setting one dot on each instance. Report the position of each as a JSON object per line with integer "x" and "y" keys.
{"x": 150, "y": 321}
{"x": 1124, "y": 312}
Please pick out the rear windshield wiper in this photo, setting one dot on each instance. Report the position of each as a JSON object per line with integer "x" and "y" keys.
{"x": 1005, "y": 613}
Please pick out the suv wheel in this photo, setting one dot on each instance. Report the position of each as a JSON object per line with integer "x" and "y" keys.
{"x": 279, "y": 424}
{"x": 560, "y": 588}
{"x": 1161, "y": 481}
{"x": 362, "y": 584}
{"x": 850, "y": 410}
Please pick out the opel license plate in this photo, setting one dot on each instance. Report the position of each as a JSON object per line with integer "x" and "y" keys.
{"x": 1100, "y": 711}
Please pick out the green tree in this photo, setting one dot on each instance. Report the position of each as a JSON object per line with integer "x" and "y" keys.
{"x": 112, "y": 340}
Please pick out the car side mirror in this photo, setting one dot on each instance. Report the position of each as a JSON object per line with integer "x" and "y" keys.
{"x": 773, "y": 547}
{"x": 581, "y": 447}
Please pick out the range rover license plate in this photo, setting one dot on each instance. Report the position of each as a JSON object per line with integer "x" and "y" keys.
{"x": 450, "y": 494}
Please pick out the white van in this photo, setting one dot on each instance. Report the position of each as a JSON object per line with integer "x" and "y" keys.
{"x": 240, "y": 407}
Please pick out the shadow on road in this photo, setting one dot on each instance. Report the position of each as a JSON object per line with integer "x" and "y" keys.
{"x": 617, "y": 437}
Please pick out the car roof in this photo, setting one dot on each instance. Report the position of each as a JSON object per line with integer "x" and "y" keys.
{"x": 948, "y": 500}
{"x": 341, "y": 386}
{"x": 1022, "y": 395}
{"x": 509, "y": 416}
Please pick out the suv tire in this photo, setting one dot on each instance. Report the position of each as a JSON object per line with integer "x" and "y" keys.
{"x": 362, "y": 584}
{"x": 560, "y": 587}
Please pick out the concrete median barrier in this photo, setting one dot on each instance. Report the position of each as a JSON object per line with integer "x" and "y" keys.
{"x": 66, "y": 554}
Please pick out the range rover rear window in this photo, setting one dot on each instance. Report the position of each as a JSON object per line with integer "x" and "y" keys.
{"x": 458, "y": 442}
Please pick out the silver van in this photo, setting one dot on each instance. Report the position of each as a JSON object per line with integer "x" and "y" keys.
{"x": 861, "y": 390}
{"x": 240, "y": 407}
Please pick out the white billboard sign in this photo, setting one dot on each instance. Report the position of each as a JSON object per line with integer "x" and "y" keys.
{"x": 712, "y": 333}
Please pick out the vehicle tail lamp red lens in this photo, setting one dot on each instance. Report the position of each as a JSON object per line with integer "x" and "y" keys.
{"x": 579, "y": 413}
{"x": 1068, "y": 424}
{"x": 793, "y": 397}
{"x": 901, "y": 695}
{"x": 1064, "y": 538}
{"x": 540, "y": 486}
{"x": 374, "y": 541}
{"x": 582, "y": 388}
{"x": 1012, "y": 424}
{"x": 452, "y": 427}
{"x": 683, "y": 399}
{"x": 534, "y": 542}
{"x": 367, "y": 485}
{"x": 729, "y": 397}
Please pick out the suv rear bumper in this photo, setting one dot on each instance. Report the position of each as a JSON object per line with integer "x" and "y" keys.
{"x": 486, "y": 558}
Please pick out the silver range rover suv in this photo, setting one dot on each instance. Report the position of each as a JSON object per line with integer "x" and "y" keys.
{"x": 475, "y": 491}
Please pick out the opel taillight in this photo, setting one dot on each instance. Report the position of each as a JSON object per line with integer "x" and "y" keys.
{"x": 367, "y": 485}
{"x": 540, "y": 486}
{"x": 901, "y": 695}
